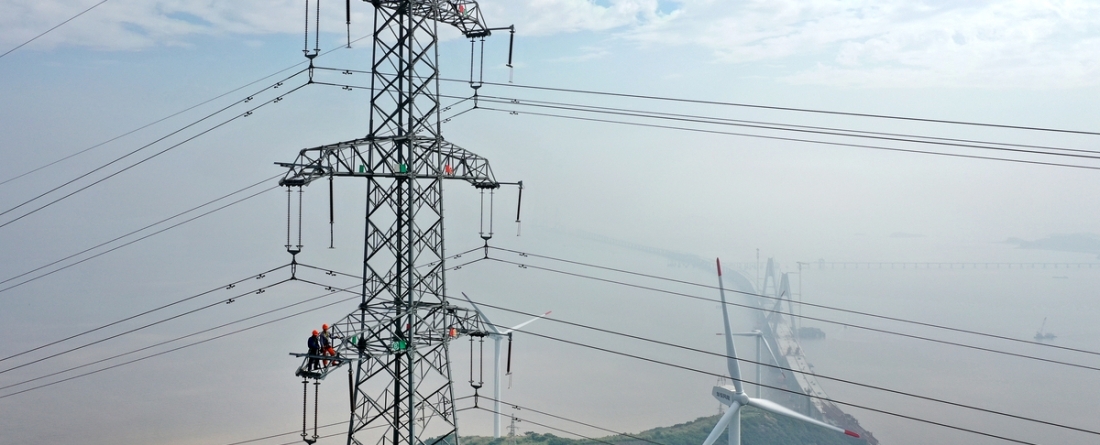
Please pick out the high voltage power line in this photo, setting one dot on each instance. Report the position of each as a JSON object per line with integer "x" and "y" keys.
{"x": 778, "y": 108}
{"x": 837, "y": 379}
{"x": 791, "y": 314}
{"x": 805, "y": 317}
{"x": 793, "y": 127}
{"x": 143, "y": 160}
{"x": 174, "y": 303}
{"x": 790, "y": 139}
{"x": 332, "y": 291}
{"x": 173, "y": 340}
{"x": 782, "y": 368}
{"x": 816, "y": 305}
{"x": 51, "y": 29}
{"x": 748, "y": 105}
{"x": 817, "y": 130}
{"x": 149, "y": 325}
{"x": 524, "y": 331}
{"x": 43, "y": 275}
{"x": 1022, "y": 149}
{"x": 147, "y": 312}
{"x": 700, "y": 371}
{"x": 178, "y": 347}
{"x": 177, "y": 113}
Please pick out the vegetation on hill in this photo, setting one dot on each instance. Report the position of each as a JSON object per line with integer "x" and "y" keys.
{"x": 757, "y": 428}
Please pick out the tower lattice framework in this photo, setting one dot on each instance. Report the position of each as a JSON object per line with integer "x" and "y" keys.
{"x": 397, "y": 339}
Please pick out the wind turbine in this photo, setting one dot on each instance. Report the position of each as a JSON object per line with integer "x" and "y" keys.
{"x": 734, "y": 396}
{"x": 497, "y": 335}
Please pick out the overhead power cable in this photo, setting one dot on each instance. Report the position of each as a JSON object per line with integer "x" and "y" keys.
{"x": 147, "y": 312}
{"x": 854, "y": 405}
{"x": 847, "y": 381}
{"x": 137, "y": 231}
{"x": 158, "y": 354}
{"x": 778, "y": 108}
{"x": 1020, "y": 149}
{"x": 804, "y": 317}
{"x": 815, "y": 305}
{"x": 817, "y": 130}
{"x": 899, "y": 392}
{"x": 145, "y": 326}
{"x": 789, "y": 139}
{"x": 329, "y": 288}
{"x": 55, "y": 27}
{"x": 561, "y": 340}
{"x": 85, "y": 150}
{"x": 173, "y": 340}
{"x": 562, "y": 430}
{"x": 143, "y": 160}
{"x": 43, "y": 275}
{"x": 782, "y": 368}
{"x": 288, "y": 433}
{"x": 320, "y": 427}
{"x": 578, "y": 422}
{"x": 785, "y": 126}
{"x": 172, "y": 115}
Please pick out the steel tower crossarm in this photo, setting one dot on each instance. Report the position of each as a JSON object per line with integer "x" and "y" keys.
{"x": 462, "y": 14}
{"x": 374, "y": 157}
{"x": 379, "y": 341}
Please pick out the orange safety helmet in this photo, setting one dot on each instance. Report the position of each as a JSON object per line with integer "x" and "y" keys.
{"x": 324, "y": 327}
{"x": 314, "y": 332}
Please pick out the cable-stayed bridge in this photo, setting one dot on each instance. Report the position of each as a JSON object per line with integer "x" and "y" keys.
{"x": 827, "y": 265}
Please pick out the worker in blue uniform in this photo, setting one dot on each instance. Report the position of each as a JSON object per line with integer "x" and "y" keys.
{"x": 314, "y": 344}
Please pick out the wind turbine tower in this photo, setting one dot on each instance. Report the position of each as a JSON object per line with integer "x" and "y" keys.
{"x": 734, "y": 395}
{"x": 497, "y": 335}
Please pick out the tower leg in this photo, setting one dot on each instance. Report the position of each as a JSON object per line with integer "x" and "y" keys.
{"x": 758, "y": 366}
{"x": 735, "y": 426}
{"x": 496, "y": 386}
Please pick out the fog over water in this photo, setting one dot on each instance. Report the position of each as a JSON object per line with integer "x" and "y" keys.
{"x": 1012, "y": 303}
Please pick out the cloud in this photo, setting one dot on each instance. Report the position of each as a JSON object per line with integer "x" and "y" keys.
{"x": 136, "y": 24}
{"x": 865, "y": 44}
{"x": 898, "y": 43}
{"x": 545, "y": 17}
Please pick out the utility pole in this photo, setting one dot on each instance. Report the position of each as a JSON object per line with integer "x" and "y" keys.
{"x": 397, "y": 339}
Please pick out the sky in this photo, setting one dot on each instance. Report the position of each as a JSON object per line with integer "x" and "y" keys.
{"x": 599, "y": 193}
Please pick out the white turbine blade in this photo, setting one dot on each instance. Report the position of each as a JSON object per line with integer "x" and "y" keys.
{"x": 732, "y": 411}
{"x": 766, "y": 345}
{"x": 768, "y": 405}
{"x": 731, "y": 360}
{"x": 485, "y": 319}
{"x": 509, "y": 330}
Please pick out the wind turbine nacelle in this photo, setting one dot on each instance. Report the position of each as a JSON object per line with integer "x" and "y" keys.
{"x": 727, "y": 394}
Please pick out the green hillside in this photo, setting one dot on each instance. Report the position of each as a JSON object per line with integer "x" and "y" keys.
{"x": 757, "y": 428}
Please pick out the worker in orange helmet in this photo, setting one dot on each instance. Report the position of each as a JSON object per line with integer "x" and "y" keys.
{"x": 314, "y": 344}
{"x": 326, "y": 343}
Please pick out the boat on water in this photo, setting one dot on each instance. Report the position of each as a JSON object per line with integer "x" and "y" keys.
{"x": 1044, "y": 336}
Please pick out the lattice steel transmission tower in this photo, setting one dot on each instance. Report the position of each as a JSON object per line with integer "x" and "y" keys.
{"x": 397, "y": 339}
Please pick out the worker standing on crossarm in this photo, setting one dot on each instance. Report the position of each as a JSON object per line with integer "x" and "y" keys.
{"x": 314, "y": 344}
{"x": 326, "y": 343}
